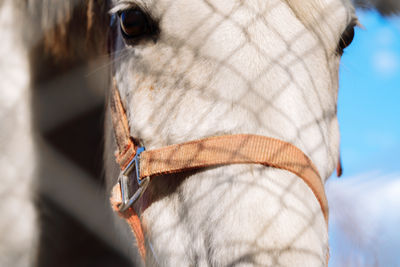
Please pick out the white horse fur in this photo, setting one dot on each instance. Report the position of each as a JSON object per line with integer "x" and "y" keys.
{"x": 226, "y": 67}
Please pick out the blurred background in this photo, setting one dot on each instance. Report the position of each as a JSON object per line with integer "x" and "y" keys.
{"x": 63, "y": 132}
{"x": 365, "y": 202}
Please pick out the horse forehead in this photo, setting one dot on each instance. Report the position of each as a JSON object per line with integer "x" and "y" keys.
{"x": 182, "y": 18}
{"x": 302, "y": 8}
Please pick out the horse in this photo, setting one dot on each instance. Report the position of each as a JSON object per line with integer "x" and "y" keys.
{"x": 187, "y": 71}
{"x": 199, "y": 69}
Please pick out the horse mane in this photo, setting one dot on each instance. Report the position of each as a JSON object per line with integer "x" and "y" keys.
{"x": 71, "y": 28}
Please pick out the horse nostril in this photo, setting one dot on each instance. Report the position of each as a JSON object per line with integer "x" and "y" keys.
{"x": 133, "y": 23}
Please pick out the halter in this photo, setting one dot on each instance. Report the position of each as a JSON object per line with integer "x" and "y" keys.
{"x": 207, "y": 152}
{"x": 139, "y": 166}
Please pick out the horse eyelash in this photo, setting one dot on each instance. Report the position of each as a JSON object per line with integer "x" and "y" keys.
{"x": 124, "y": 5}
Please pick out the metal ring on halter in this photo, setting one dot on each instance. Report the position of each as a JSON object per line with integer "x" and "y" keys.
{"x": 123, "y": 181}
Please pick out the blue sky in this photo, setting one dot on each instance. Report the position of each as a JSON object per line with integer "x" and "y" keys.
{"x": 365, "y": 203}
{"x": 369, "y": 97}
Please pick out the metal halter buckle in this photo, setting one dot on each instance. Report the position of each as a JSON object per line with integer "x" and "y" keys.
{"x": 123, "y": 181}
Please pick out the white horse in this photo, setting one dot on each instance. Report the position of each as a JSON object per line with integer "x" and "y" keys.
{"x": 187, "y": 70}
{"x": 193, "y": 69}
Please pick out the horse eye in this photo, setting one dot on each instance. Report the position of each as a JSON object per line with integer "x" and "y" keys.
{"x": 346, "y": 38}
{"x": 133, "y": 23}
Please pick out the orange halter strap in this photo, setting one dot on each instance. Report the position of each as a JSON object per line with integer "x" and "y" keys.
{"x": 212, "y": 151}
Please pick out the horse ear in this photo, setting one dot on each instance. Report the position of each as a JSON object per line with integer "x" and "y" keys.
{"x": 385, "y": 7}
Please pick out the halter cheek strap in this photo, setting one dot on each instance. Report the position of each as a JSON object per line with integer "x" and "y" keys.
{"x": 213, "y": 151}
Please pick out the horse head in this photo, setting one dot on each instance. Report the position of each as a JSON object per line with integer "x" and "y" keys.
{"x": 188, "y": 70}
